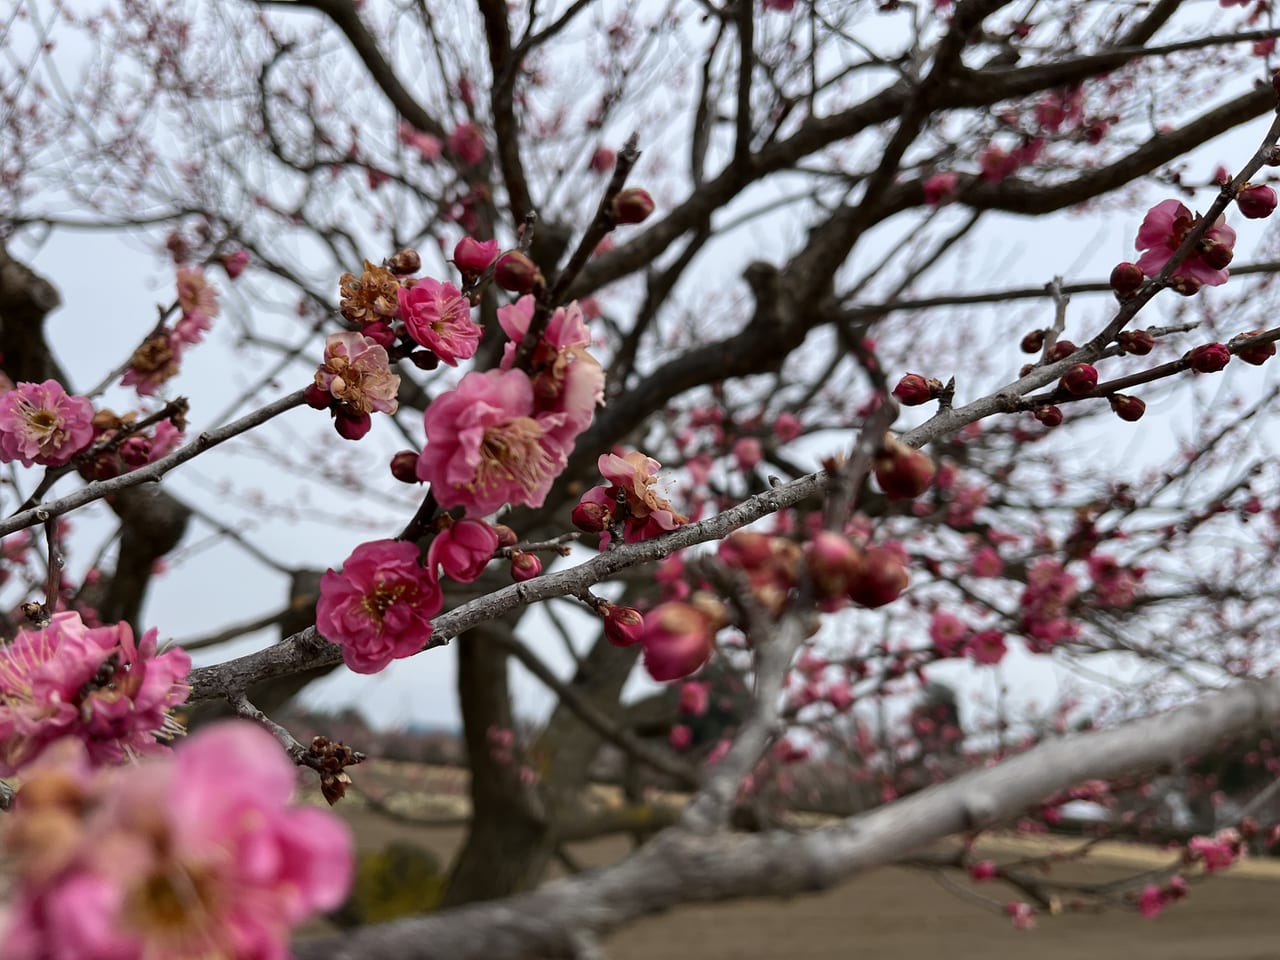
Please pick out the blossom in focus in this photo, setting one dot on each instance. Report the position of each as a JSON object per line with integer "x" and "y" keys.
{"x": 356, "y": 373}
{"x": 463, "y": 549}
{"x": 95, "y": 685}
{"x": 195, "y": 857}
{"x": 486, "y": 446}
{"x": 1162, "y": 232}
{"x": 40, "y": 423}
{"x": 649, "y": 514}
{"x": 438, "y": 317}
{"x": 566, "y": 378}
{"x": 379, "y": 608}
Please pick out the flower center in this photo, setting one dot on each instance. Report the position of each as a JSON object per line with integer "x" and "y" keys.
{"x": 513, "y": 452}
{"x": 175, "y": 905}
{"x": 379, "y": 600}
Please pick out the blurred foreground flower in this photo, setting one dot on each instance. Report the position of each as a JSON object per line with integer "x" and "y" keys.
{"x": 189, "y": 858}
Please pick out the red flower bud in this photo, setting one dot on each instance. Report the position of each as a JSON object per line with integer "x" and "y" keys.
{"x": 880, "y": 579}
{"x": 602, "y": 160}
{"x": 517, "y": 273}
{"x": 1033, "y": 342}
{"x": 632, "y": 205}
{"x": 424, "y": 359}
{"x": 1215, "y": 254}
{"x": 678, "y": 638}
{"x": 903, "y": 472}
{"x": 472, "y": 257}
{"x": 1127, "y": 408}
{"x": 1126, "y": 278}
{"x": 234, "y": 263}
{"x": 524, "y": 566}
{"x": 316, "y": 397}
{"x": 405, "y": 262}
{"x": 1209, "y": 357}
{"x": 1080, "y": 379}
{"x": 914, "y": 389}
{"x": 1061, "y": 350}
{"x": 1050, "y": 415}
{"x": 592, "y": 517}
{"x": 1186, "y": 286}
{"x": 351, "y": 426}
{"x": 506, "y": 536}
{"x": 1256, "y": 201}
{"x": 622, "y": 625}
{"x": 404, "y": 467}
{"x": 1256, "y": 354}
{"x": 833, "y": 562}
{"x": 380, "y": 333}
{"x": 1137, "y": 342}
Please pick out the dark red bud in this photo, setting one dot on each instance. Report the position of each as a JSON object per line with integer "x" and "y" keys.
{"x": 1080, "y": 379}
{"x": 914, "y": 389}
{"x": 1256, "y": 354}
{"x": 517, "y": 273}
{"x": 1186, "y": 286}
{"x": 902, "y": 471}
{"x": 1209, "y": 357}
{"x": 1215, "y": 254}
{"x": 1137, "y": 342}
{"x": 592, "y": 517}
{"x": 424, "y": 359}
{"x": 881, "y": 578}
{"x": 1126, "y": 278}
{"x": 1050, "y": 415}
{"x": 1256, "y": 201}
{"x": 1033, "y": 342}
{"x": 316, "y": 397}
{"x": 352, "y": 426}
{"x": 622, "y": 625}
{"x": 506, "y": 536}
{"x": 404, "y": 467}
{"x": 1061, "y": 350}
{"x": 632, "y": 205}
{"x": 524, "y": 566}
{"x": 1127, "y": 408}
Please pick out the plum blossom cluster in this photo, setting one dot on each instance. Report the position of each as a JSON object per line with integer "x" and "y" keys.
{"x": 631, "y": 501}
{"x": 40, "y": 423}
{"x": 158, "y": 358}
{"x": 198, "y": 855}
{"x": 95, "y": 685}
{"x": 503, "y": 436}
{"x": 119, "y": 446}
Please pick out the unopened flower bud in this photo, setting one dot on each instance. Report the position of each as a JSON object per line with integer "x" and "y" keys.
{"x": 517, "y": 273}
{"x": 1061, "y": 350}
{"x": 1256, "y": 201}
{"x": 881, "y": 578}
{"x": 592, "y": 517}
{"x": 1049, "y": 415}
{"x": 1080, "y": 379}
{"x": 1186, "y": 286}
{"x": 1127, "y": 408}
{"x": 472, "y": 257}
{"x": 1137, "y": 342}
{"x": 902, "y": 471}
{"x": 1126, "y": 278}
{"x": 351, "y": 426}
{"x": 506, "y": 536}
{"x": 135, "y": 450}
{"x": 1209, "y": 357}
{"x": 1215, "y": 254}
{"x": 234, "y": 263}
{"x": 678, "y": 638}
{"x": 832, "y": 562}
{"x": 602, "y": 160}
{"x": 622, "y": 625}
{"x": 405, "y": 262}
{"x": 632, "y": 205}
{"x": 380, "y": 332}
{"x": 1033, "y": 342}
{"x": 404, "y": 467}
{"x": 1256, "y": 354}
{"x": 424, "y": 359}
{"x": 316, "y": 397}
{"x": 524, "y": 566}
{"x": 914, "y": 389}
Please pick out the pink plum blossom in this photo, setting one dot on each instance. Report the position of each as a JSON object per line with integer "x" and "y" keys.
{"x": 678, "y": 638}
{"x": 467, "y": 143}
{"x": 695, "y": 698}
{"x": 200, "y": 855}
{"x": 940, "y": 188}
{"x": 438, "y": 317}
{"x": 357, "y": 374}
{"x": 787, "y": 427}
{"x": 195, "y": 293}
{"x": 40, "y": 423}
{"x": 95, "y": 685}
{"x": 948, "y": 633}
{"x": 429, "y": 148}
{"x": 463, "y": 549}
{"x": 1162, "y": 232}
{"x": 379, "y": 608}
{"x": 566, "y": 378}
{"x": 986, "y": 646}
{"x": 486, "y": 447}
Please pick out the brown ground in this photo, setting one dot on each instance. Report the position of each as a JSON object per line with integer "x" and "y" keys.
{"x": 906, "y": 914}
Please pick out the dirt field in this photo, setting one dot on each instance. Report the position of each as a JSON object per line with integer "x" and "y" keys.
{"x": 907, "y": 915}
